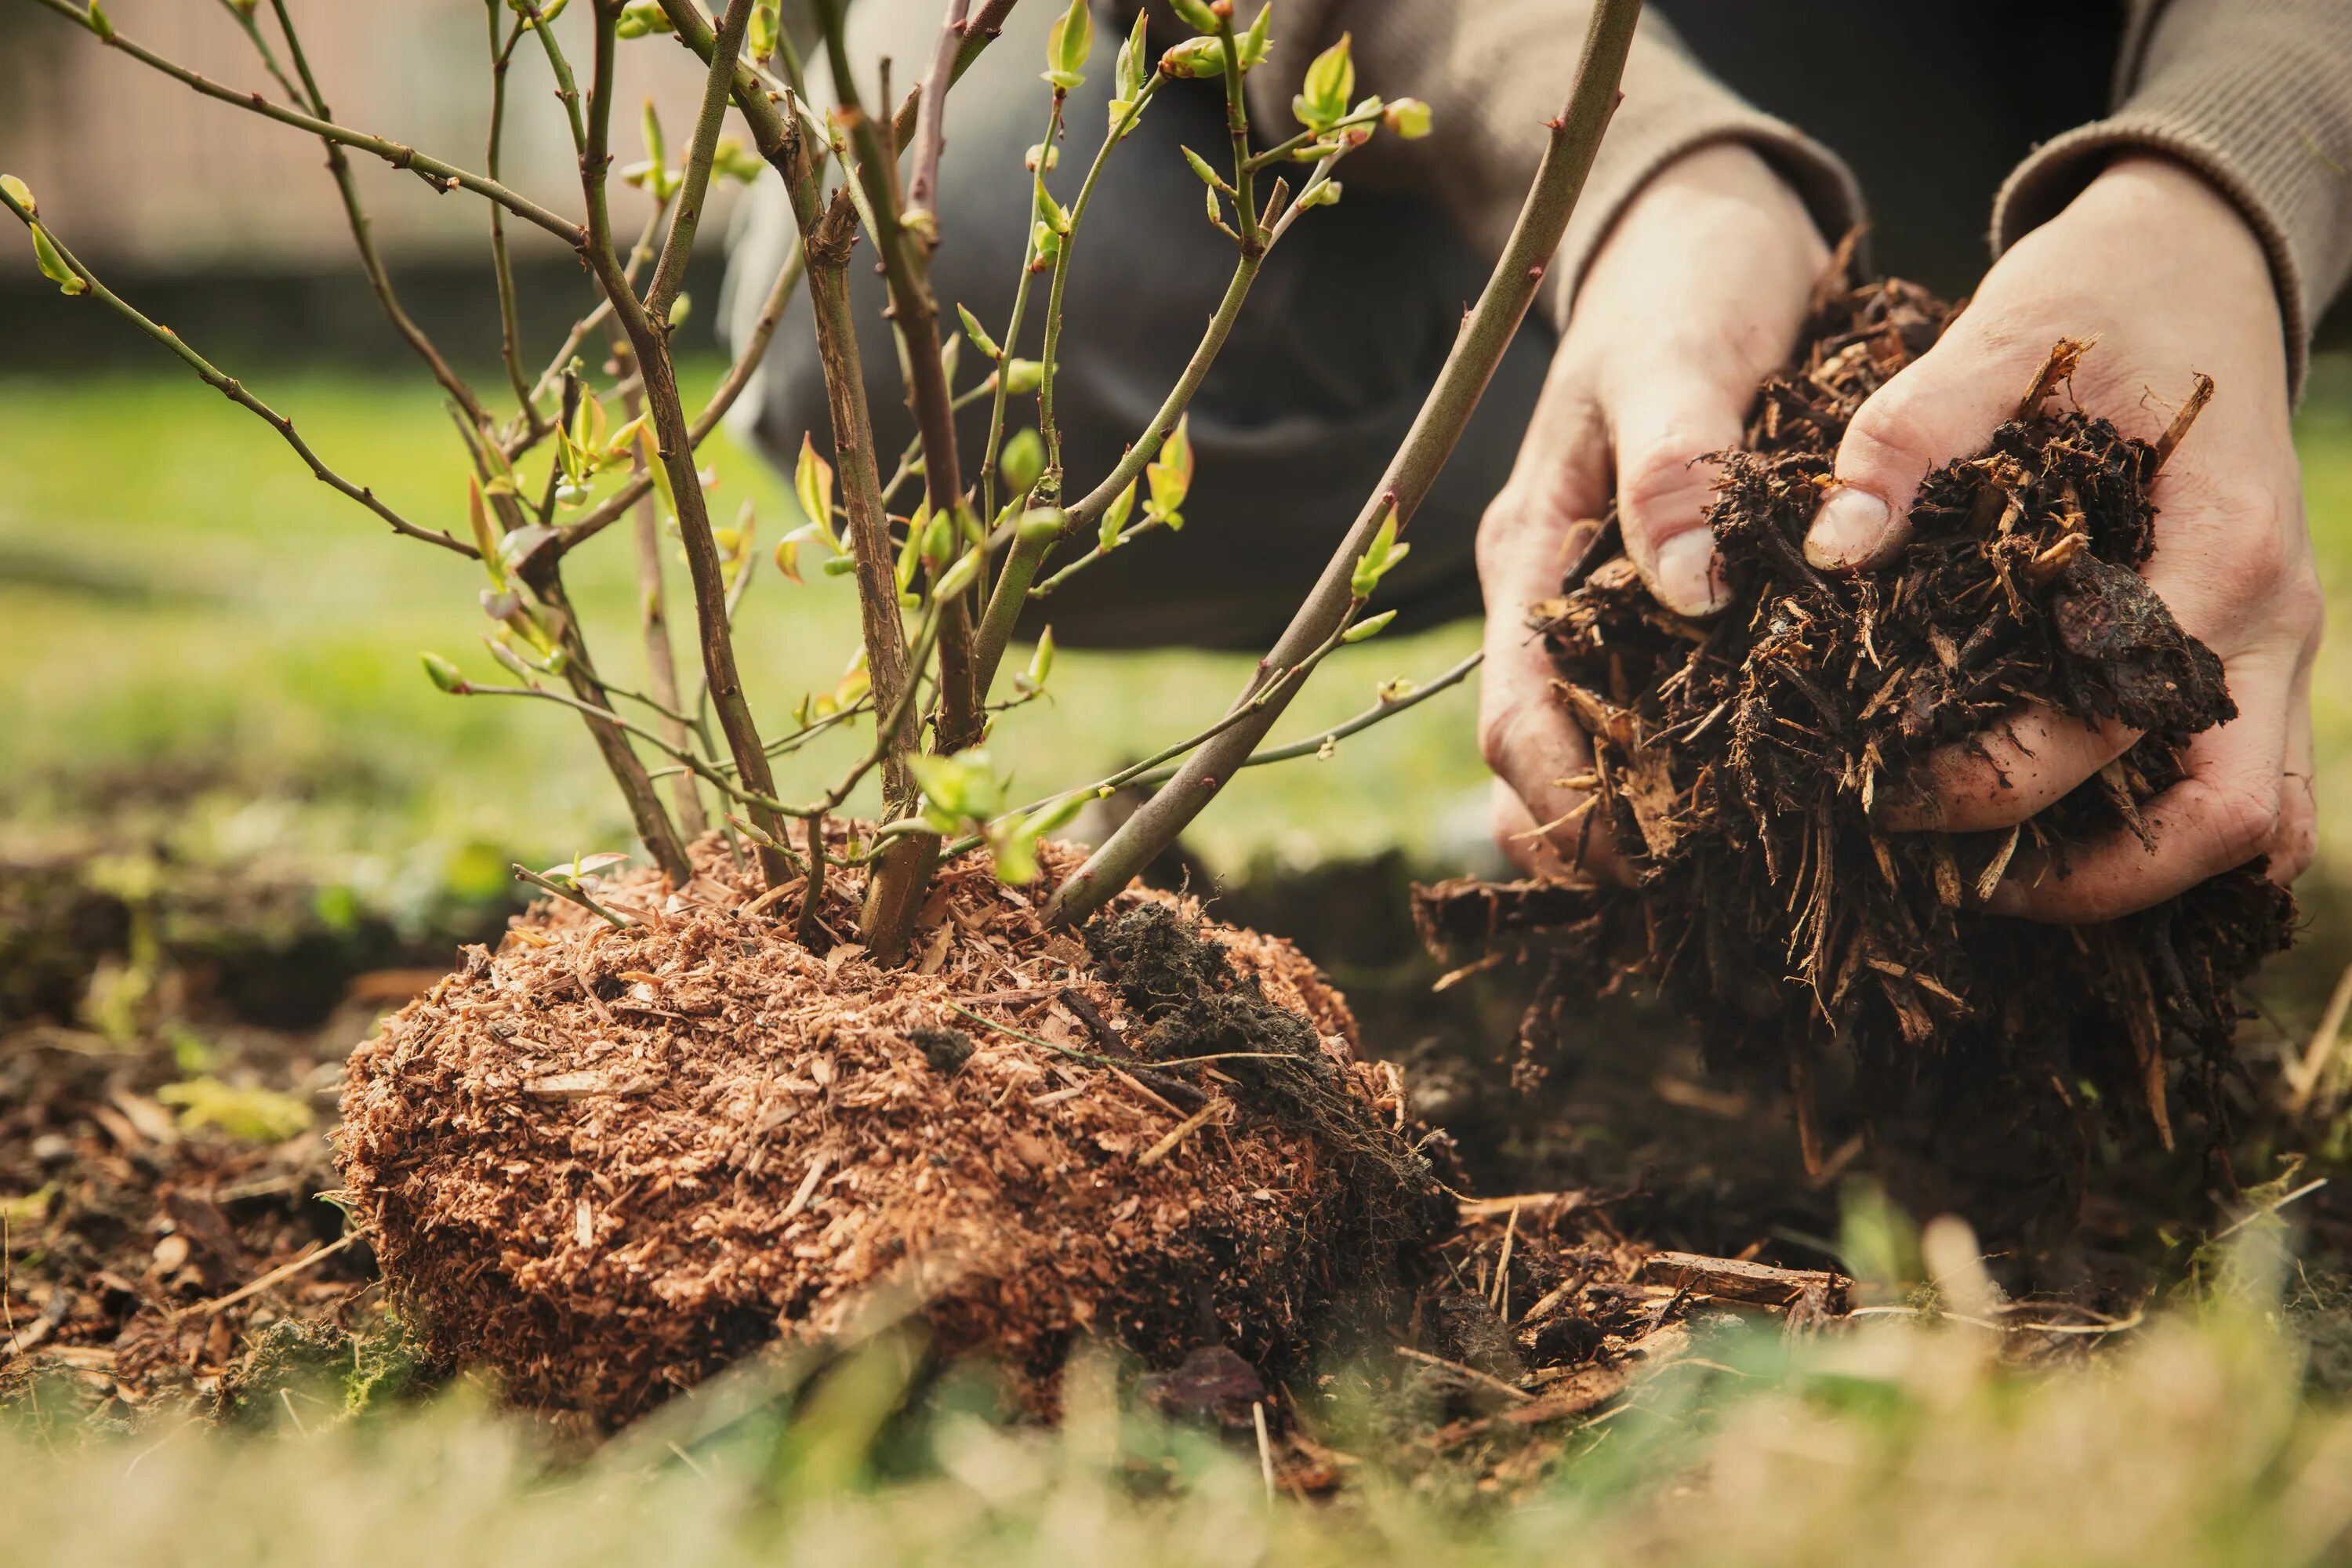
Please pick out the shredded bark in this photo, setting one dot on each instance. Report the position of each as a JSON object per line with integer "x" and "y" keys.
{"x": 606, "y": 1160}
{"x": 1743, "y": 765}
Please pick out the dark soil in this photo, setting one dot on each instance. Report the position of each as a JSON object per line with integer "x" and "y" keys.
{"x": 1742, "y": 765}
{"x": 603, "y": 1162}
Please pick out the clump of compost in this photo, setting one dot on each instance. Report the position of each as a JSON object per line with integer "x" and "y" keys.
{"x": 606, "y": 1160}
{"x": 1741, "y": 764}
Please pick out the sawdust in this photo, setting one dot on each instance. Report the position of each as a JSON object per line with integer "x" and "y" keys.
{"x": 603, "y": 1162}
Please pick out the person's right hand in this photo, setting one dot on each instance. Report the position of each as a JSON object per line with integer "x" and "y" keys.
{"x": 1697, "y": 295}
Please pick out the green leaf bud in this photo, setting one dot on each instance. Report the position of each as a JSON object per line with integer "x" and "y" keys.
{"x": 1023, "y": 376}
{"x": 1194, "y": 57}
{"x": 1022, "y": 461}
{"x": 978, "y": 335}
{"x": 445, "y": 676}
{"x": 20, "y": 193}
{"x": 1368, "y": 628}
{"x": 1408, "y": 117}
{"x": 1042, "y": 525}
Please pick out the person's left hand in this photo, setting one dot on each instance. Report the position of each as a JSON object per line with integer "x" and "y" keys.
{"x": 2161, "y": 273}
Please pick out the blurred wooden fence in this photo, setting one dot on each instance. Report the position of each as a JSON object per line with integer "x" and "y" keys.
{"x": 136, "y": 170}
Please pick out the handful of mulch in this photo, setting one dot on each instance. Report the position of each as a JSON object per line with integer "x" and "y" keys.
{"x": 1739, "y": 763}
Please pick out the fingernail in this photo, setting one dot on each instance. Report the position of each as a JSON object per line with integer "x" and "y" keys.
{"x": 1688, "y": 582}
{"x": 1847, "y": 530}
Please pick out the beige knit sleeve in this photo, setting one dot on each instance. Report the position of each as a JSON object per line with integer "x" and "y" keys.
{"x": 2256, "y": 95}
{"x": 1493, "y": 71}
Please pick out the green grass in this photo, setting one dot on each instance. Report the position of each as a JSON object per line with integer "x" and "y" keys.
{"x": 258, "y": 648}
{"x": 262, "y": 644}
{"x": 1902, "y": 1441}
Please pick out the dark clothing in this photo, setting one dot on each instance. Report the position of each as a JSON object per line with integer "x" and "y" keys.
{"x": 1932, "y": 103}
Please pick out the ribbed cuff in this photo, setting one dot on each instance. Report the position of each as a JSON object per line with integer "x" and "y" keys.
{"x": 1628, "y": 162}
{"x": 2256, "y": 97}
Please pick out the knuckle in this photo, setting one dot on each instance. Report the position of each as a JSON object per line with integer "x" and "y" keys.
{"x": 2242, "y": 821}
{"x": 1892, "y": 433}
{"x": 1662, "y": 476}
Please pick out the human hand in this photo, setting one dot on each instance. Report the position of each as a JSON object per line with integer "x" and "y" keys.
{"x": 1697, "y": 294}
{"x": 2158, "y": 270}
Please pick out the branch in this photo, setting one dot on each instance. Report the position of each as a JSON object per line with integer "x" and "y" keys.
{"x": 1021, "y": 566}
{"x": 650, "y": 342}
{"x": 1312, "y": 745}
{"x": 441, "y": 176}
{"x": 1568, "y": 158}
{"x": 669, "y": 273}
{"x": 230, "y": 387}
{"x": 930, "y": 126}
{"x": 738, "y": 377}
{"x": 502, "y": 264}
{"x": 915, "y": 314}
{"x": 1008, "y": 347}
{"x": 308, "y": 95}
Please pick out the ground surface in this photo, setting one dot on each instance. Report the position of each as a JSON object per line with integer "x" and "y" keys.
{"x": 222, "y": 768}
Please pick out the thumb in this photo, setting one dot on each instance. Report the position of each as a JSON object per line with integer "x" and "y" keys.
{"x": 1943, "y": 405}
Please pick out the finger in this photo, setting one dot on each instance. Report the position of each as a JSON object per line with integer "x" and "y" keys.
{"x": 1943, "y": 405}
{"x": 1535, "y": 750}
{"x": 2224, "y": 812}
{"x": 2022, "y": 763}
{"x": 1663, "y": 430}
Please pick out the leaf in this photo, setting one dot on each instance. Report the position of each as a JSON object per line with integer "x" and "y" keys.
{"x": 1331, "y": 83}
{"x": 813, "y": 488}
{"x": 1113, "y": 517}
{"x": 1170, "y": 476}
{"x": 1133, "y": 67}
{"x": 1195, "y": 15}
{"x": 1049, "y": 210}
{"x": 248, "y": 1115}
{"x": 1200, "y": 166}
{"x": 958, "y": 577}
{"x": 1255, "y": 42}
{"x": 486, "y": 538}
{"x": 22, "y": 194}
{"x": 1378, "y": 559}
{"x": 765, "y": 28}
{"x": 53, "y": 264}
{"x": 1067, "y": 43}
{"x": 1041, "y": 662}
{"x": 1013, "y": 854}
{"x": 1368, "y": 628}
{"x": 910, "y": 556}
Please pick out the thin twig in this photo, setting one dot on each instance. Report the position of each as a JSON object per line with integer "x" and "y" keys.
{"x": 1575, "y": 138}
{"x": 234, "y": 390}
{"x": 276, "y": 1277}
{"x": 572, "y": 892}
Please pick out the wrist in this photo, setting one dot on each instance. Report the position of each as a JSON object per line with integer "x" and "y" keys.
{"x": 2150, "y": 208}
